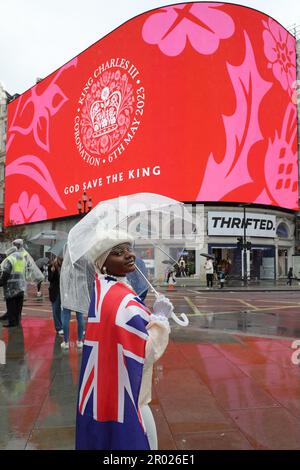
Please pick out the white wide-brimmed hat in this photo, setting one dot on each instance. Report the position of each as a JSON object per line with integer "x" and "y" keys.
{"x": 106, "y": 240}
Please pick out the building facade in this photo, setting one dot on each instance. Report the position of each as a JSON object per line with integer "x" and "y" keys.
{"x": 272, "y": 234}
{"x": 3, "y": 118}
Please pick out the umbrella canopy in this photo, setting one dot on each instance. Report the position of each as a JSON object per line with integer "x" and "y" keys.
{"x": 48, "y": 237}
{"x": 58, "y": 248}
{"x": 207, "y": 255}
{"x": 117, "y": 214}
{"x": 40, "y": 262}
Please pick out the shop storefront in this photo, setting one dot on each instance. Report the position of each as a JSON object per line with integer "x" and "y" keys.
{"x": 269, "y": 237}
{"x": 228, "y": 258}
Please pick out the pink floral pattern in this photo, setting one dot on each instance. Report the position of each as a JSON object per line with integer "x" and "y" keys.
{"x": 42, "y": 107}
{"x": 33, "y": 116}
{"x": 27, "y": 210}
{"x": 33, "y": 167}
{"x": 279, "y": 49}
{"x": 242, "y": 130}
{"x": 281, "y": 162}
{"x": 200, "y": 23}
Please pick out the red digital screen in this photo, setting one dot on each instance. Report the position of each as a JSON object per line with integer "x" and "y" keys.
{"x": 194, "y": 101}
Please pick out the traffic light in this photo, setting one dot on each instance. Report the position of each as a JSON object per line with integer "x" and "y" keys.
{"x": 239, "y": 243}
{"x": 248, "y": 245}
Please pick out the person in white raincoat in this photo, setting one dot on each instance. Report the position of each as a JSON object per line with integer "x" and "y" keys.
{"x": 16, "y": 269}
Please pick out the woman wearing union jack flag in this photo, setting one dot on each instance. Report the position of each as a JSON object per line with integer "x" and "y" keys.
{"x": 123, "y": 340}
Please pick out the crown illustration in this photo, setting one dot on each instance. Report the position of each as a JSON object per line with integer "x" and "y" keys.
{"x": 104, "y": 112}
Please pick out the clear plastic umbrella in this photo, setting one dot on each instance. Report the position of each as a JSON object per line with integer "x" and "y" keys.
{"x": 48, "y": 237}
{"x": 40, "y": 262}
{"x": 118, "y": 213}
{"x": 58, "y": 248}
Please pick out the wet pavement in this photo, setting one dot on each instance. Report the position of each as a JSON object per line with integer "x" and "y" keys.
{"x": 225, "y": 382}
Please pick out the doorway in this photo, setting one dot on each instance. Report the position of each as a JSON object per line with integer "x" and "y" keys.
{"x": 282, "y": 262}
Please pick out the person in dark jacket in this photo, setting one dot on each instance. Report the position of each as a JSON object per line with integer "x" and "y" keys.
{"x": 139, "y": 284}
{"x": 290, "y": 277}
{"x": 54, "y": 292}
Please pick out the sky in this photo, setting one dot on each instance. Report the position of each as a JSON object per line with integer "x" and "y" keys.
{"x": 39, "y": 36}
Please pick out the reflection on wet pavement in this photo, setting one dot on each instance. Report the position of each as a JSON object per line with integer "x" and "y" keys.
{"x": 225, "y": 382}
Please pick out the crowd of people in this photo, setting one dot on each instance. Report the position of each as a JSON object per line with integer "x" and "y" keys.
{"x": 215, "y": 273}
{"x": 17, "y": 268}
{"x": 216, "y": 270}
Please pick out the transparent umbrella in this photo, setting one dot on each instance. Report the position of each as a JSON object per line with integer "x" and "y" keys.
{"x": 48, "y": 237}
{"x": 40, "y": 262}
{"x": 118, "y": 214}
{"x": 58, "y": 248}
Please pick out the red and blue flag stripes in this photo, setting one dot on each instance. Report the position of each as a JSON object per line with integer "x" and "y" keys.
{"x": 108, "y": 416}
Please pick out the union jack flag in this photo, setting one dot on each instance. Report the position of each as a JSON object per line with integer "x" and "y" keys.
{"x": 108, "y": 416}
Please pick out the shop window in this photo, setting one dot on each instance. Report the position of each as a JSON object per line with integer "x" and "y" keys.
{"x": 178, "y": 228}
{"x": 144, "y": 229}
{"x": 297, "y": 230}
{"x": 282, "y": 231}
{"x": 144, "y": 252}
{"x": 188, "y": 256}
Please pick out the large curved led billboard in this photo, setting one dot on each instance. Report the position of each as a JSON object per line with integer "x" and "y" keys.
{"x": 194, "y": 101}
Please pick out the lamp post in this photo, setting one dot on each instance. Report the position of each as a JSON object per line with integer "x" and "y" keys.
{"x": 84, "y": 204}
{"x": 84, "y": 199}
{"x": 245, "y": 246}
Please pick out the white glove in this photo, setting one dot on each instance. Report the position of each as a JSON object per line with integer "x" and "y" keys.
{"x": 162, "y": 306}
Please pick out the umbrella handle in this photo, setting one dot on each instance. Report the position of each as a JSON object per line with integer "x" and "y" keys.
{"x": 183, "y": 322}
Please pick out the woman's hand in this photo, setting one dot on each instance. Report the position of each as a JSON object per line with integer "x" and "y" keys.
{"x": 163, "y": 307}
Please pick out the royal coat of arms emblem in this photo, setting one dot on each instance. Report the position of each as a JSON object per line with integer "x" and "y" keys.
{"x": 106, "y": 113}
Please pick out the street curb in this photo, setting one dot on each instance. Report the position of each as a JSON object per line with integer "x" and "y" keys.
{"x": 234, "y": 289}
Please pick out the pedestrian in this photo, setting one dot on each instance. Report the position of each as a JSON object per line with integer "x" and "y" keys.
{"x": 38, "y": 289}
{"x": 182, "y": 266}
{"x": 76, "y": 286}
{"x": 42, "y": 264}
{"x": 171, "y": 275}
{"x": 290, "y": 277}
{"x": 123, "y": 340}
{"x": 12, "y": 278}
{"x": 16, "y": 281}
{"x": 137, "y": 281}
{"x": 32, "y": 272}
{"x": 54, "y": 292}
{"x": 209, "y": 269}
{"x": 222, "y": 278}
